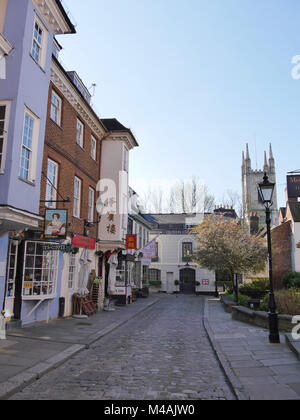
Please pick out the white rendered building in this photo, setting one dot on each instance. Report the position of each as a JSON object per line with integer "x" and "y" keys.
{"x": 173, "y": 265}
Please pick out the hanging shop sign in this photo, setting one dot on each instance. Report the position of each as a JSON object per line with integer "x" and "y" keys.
{"x": 55, "y": 247}
{"x": 83, "y": 242}
{"x": 149, "y": 250}
{"x": 56, "y": 224}
{"x": 131, "y": 242}
{"x": 293, "y": 185}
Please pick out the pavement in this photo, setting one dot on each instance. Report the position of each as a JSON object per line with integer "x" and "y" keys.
{"x": 162, "y": 343}
{"x": 256, "y": 369}
{"x": 163, "y": 354}
{"x": 30, "y": 353}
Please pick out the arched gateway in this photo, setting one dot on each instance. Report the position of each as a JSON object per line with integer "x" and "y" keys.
{"x": 188, "y": 281}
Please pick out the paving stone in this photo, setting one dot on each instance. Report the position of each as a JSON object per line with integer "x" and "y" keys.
{"x": 164, "y": 354}
{"x": 275, "y": 392}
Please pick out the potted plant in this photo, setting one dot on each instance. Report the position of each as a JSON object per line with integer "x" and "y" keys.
{"x": 177, "y": 284}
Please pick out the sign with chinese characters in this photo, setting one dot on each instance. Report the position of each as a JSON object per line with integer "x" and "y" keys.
{"x": 79, "y": 241}
{"x": 56, "y": 224}
{"x": 293, "y": 185}
{"x": 131, "y": 242}
{"x": 111, "y": 227}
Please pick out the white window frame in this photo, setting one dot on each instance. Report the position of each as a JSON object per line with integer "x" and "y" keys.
{"x": 32, "y": 155}
{"x": 4, "y": 135}
{"x": 28, "y": 293}
{"x": 79, "y": 133}
{"x": 93, "y": 148}
{"x": 77, "y": 198}
{"x": 56, "y": 109}
{"x": 72, "y": 272}
{"x": 53, "y": 187}
{"x": 42, "y": 44}
{"x": 91, "y": 205}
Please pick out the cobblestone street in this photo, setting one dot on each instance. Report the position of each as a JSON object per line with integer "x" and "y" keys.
{"x": 163, "y": 354}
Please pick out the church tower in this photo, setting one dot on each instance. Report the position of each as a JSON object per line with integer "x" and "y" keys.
{"x": 252, "y": 205}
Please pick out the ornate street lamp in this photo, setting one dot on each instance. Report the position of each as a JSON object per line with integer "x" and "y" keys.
{"x": 266, "y": 191}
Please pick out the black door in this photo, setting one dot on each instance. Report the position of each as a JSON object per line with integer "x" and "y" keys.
{"x": 188, "y": 281}
{"x": 19, "y": 282}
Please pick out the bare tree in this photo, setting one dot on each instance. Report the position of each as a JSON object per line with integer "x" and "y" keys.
{"x": 232, "y": 199}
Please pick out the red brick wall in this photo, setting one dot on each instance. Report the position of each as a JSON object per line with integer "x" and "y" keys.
{"x": 61, "y": 147}
{"x": 282, "y": 252}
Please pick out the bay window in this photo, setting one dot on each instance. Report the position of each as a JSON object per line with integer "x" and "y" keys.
{"x": 39, "y": 272}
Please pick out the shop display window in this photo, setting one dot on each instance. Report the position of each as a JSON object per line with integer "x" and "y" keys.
{"x": 40, "y": 272}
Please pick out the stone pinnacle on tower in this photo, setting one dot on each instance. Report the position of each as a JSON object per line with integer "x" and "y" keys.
{"x": 266, "y": 166}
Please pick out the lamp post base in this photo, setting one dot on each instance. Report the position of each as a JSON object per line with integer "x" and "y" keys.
{"x": 274, "y": 336}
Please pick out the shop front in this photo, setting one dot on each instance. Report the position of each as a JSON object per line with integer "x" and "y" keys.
{"x": 79, "y": 277}
{"x": 123, "y": 287}
{"x": 32, "y": 279}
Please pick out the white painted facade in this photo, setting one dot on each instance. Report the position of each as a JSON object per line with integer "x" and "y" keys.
{"x": 295, "y": 249}
{"x": 171, "y": 263}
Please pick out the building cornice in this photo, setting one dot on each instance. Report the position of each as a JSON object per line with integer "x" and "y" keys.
{"x": 124, "y": 137}
{"x": 69, "y": 91}
{"x": 55, "y": 16}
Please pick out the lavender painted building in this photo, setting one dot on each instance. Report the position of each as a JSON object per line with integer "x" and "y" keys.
{"x": 27, "y": 30}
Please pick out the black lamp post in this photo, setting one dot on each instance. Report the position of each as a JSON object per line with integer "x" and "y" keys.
{"x": 266, "y": 191}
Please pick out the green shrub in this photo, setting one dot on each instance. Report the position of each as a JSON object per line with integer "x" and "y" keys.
{"x": 243, "y": 300}
{"x": 154, "y": 283}
{"x": 287, "y": 302}
{"x": 258, "y": 288}
{"x": 291, "y": 280}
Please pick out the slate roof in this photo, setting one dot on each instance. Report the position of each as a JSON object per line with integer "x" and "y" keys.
{"x": 172, "y": 221}
{"x": 112, "y": 124}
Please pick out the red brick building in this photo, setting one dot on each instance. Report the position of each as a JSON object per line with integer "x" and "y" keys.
{"x": 71, "y": 170}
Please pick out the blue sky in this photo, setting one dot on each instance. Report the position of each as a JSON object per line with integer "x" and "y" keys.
{"x": 195, "y": 80}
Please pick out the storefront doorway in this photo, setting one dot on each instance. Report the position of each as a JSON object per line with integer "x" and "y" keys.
{"x": 188, "y": 281}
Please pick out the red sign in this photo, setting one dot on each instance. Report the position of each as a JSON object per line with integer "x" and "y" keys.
{"x": 83, "y": 242}
{"x": 131, "y": 242}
